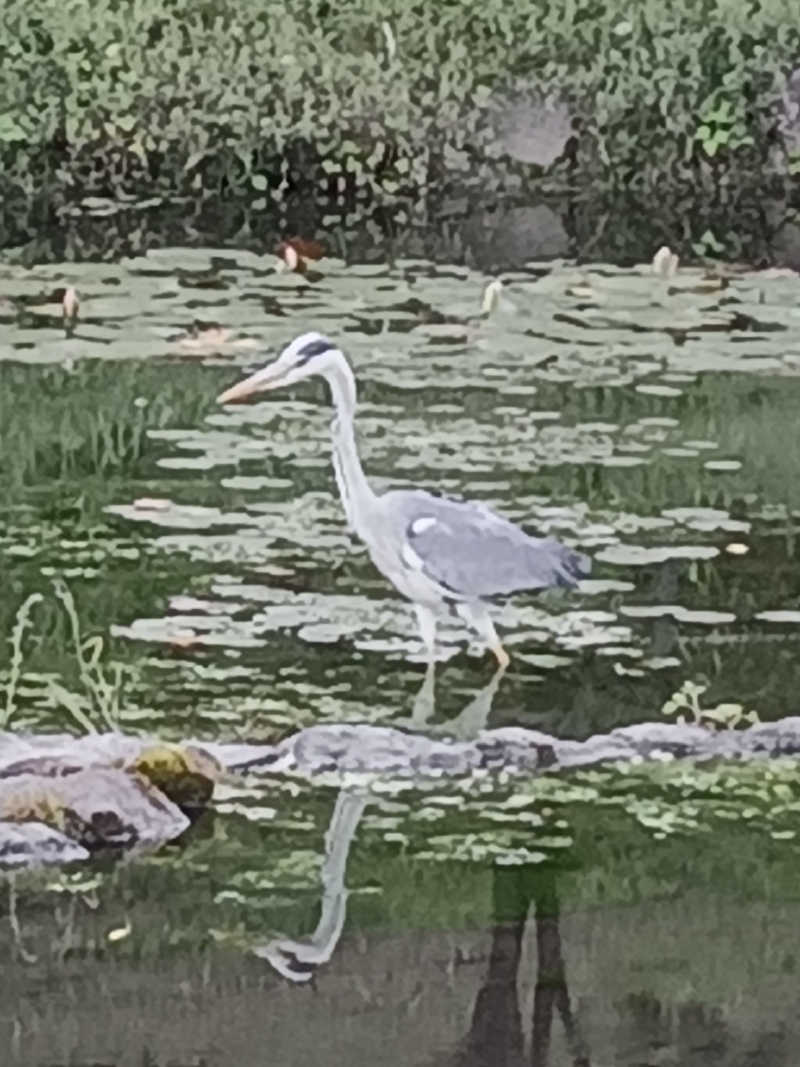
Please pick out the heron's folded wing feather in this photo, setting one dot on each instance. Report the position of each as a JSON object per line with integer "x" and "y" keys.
{"x": 472, "y": 551}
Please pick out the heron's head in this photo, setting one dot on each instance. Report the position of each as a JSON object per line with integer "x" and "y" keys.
{"x": 308, "y": 354}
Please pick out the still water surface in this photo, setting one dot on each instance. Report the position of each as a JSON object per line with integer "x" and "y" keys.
{"x": 649, "y": 422}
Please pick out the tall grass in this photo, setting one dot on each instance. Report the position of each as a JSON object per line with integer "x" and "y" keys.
{"x": 21, "y": 621}
{"x": 101, "y": 684}
{"x": 81, "y": 423}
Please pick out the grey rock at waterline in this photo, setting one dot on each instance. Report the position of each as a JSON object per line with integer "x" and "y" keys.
{"x": 781, "y": 738}
{"x": 97, "y": 807}
{"x": 663, "y": 738}
{"x": 349, "y": 749}
{"x": 64, "y": 752}
{"x": 355, "y": 749}
{"x": 593, "y": 752}
{"x": 380, "y": 750}
{"x": 110, "y": 806}
{"x": 189, "y": 781}
{"x": 32, "y": 844}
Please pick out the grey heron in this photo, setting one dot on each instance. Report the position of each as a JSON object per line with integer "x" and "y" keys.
{"x": 437, "y": 551}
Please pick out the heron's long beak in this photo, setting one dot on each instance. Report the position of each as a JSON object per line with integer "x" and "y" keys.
{"x": 267, "y": 378}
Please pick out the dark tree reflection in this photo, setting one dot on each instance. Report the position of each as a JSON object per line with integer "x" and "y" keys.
{"x": 496, "y": 1035}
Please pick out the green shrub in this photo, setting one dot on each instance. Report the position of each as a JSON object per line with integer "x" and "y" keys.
{"x": 381, "y": 99}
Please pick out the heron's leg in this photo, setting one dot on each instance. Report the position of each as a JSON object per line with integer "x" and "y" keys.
{"x": 427, "y": 628}
{"x": 425, "y": 700}
{"x": 473, "y": 718}
{"x": 285, "y": 953}
{"x": 476, "y": 616}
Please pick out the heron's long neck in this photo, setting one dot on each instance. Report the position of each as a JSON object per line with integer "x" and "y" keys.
{"x": 357, "y": 497}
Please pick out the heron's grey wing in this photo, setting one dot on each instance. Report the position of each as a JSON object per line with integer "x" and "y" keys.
{"x": 473, "y": 552}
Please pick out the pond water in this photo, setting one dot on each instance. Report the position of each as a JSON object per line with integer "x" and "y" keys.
{"x": 649, "y": 422}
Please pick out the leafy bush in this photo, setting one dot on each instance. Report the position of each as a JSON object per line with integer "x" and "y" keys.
{"x": 382, "y": 99}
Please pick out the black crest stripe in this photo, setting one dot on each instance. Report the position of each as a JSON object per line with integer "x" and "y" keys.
{"x": 314, "y": 348}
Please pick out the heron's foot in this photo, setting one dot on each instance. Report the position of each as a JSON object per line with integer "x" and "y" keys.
{"x": 500, "y": 654}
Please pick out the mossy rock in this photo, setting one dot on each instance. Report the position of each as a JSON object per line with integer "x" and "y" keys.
{"x": 186, "y": 774}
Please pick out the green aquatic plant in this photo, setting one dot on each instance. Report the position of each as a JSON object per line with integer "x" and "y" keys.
{"x": 21, "y": 621}
{"x": 102, "y": 687}
{"x": 685, "y": 703}
{"x": 101, "y": 684}
{"x": 77, "y": 423}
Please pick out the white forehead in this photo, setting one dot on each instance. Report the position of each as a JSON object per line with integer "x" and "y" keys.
{"x": 299, "y": 343}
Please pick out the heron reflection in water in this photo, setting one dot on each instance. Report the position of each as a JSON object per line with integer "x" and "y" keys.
{"x": 438, "y": 552}
{"x": 299, "y": 959}
{"x": 496, "y": 1032}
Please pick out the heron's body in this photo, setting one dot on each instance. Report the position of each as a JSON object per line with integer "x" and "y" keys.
{"x": 437, "y": 552}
